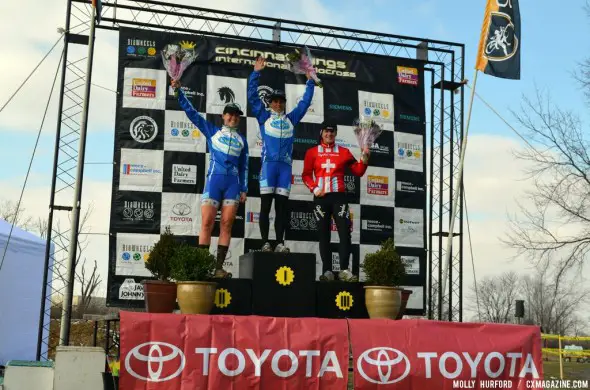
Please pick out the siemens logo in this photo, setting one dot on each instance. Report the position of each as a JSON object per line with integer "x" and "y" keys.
{"x": 339, "y": 107}
{"x": 411, "y": 118}
{"x": 306, "y": 141}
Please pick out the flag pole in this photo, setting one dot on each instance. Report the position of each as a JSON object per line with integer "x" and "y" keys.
{"x": 447, "y": 262}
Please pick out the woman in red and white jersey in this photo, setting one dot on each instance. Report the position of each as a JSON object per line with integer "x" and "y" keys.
{"x": 323, "y": 174}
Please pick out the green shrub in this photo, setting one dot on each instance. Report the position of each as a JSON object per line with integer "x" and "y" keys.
{"x": 192, "y": 264}
{"x": 160, "y": 257}
{"x": 385, "y": 267}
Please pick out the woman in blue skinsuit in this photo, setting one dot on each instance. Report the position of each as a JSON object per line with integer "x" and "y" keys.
{"x": 227, "y": 178}
{"x": 277, "y": 131}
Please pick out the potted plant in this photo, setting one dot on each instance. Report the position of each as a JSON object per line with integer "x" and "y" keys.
{"x": 385, "y": 272}
{"x": 191, "y": 268}
{"x": 160, "y": 294}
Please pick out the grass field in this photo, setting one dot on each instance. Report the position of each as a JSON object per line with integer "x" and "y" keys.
{"x": 571, "y": 370}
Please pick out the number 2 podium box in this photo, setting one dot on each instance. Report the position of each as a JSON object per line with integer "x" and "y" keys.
{"x": 233, "y": 297}
{"x": 283, "y": 284}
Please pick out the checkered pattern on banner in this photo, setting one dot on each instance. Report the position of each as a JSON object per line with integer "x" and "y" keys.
{"x": 162, "y": 158}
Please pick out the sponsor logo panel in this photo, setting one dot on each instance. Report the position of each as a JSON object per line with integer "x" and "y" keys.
{"x": 144, "y": 88}
{"x": 181, "y": 212}
{"x": 180, "y": 134}
{"x": 184, "y": 174}
{"x": 132, "y": 251}
{"x": 377, "y": 106}
{"x": 131, "y": 290}
{"x": 377, "y": 187}
{"x": 141, "y": 170}
{"x": 223, "y": 90}
{"x": 315, "y": 112}
{"x": 409, "y": 227}
{"x": 409, "y": 153}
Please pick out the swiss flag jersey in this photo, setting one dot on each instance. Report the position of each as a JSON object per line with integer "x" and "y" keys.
{"x": 328, "y": 163}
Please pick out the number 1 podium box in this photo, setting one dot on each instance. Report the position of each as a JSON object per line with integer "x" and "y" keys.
{"x": 283, "y": 284}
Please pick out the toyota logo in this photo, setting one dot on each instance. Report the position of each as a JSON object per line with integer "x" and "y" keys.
{"x": 181, "y": 209}
{"x": 155, "y": 361}
{"x": 384, "y": 363}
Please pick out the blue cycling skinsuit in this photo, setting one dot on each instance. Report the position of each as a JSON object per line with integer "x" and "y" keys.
{"x": 228, "y": 163}
{"x": 276, "y": 131}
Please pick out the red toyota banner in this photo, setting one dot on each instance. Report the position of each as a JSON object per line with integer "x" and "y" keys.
{"x": 187, "y": 352}
{"x": 421, "y": 354}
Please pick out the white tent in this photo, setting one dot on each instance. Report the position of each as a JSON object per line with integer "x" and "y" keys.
{"x": 21, "y": 282}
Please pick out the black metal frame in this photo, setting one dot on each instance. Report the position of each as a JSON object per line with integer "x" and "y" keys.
{"x": 445, "y": 61}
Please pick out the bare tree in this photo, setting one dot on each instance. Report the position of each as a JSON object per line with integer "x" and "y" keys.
{"x": 552, "y": 299}
{"x": 497, "y": 295}
{"x": 557, "y": 220}
{"x": 8, "y": 212}
{"x": 88, "y": 280}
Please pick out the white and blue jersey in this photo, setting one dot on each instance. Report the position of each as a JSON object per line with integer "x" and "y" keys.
{"x": 277, "y": 133}
{"x": 228, "y": 162}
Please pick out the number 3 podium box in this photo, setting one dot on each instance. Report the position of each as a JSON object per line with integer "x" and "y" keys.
{"x": 283, "y": 284}
{"x": 338, "y": 299}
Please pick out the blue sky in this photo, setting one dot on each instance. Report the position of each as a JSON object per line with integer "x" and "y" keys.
{"x": 551, "y": 43}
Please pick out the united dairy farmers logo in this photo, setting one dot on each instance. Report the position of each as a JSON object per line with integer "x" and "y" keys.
{"x": 378, "y": 185}
{"x": 143, "y": 88}
{"x": 406, "y": 75}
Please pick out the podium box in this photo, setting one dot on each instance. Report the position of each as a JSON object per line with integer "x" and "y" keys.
{"x": 338, "y": 299}
{"x": 283, "y": 284}
{"x": 233, "y": 296}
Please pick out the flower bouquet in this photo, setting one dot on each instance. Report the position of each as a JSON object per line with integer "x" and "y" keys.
{"x": 301, "y": 62}
{"x": 366, "y": 131}
{"x": 177, "y": 57}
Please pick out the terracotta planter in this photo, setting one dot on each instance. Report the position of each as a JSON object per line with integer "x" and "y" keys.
{"x": 196, "y": 297}
{"x": 160, "y": 296}
{"x": 383, "y": 302}
{"x": 405, "y": 296}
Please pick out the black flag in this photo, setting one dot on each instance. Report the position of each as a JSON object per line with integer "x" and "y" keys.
{"x": 499, "y": 45}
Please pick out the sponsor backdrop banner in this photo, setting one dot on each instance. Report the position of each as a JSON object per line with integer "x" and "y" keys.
{"x": 182, "y": 352}
{"x": 161, "y": 158}
{"x": 178, "y": 352}
{"x": 421, "y": 354}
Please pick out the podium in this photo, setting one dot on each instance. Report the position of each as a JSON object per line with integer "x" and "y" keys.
{"x": 338, "y": 299}
{"x": 283, "y": 284}
{"x": 233, "y": 296}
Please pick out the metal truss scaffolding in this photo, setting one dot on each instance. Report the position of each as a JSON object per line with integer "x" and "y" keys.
{"x": 444, "y": 61}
